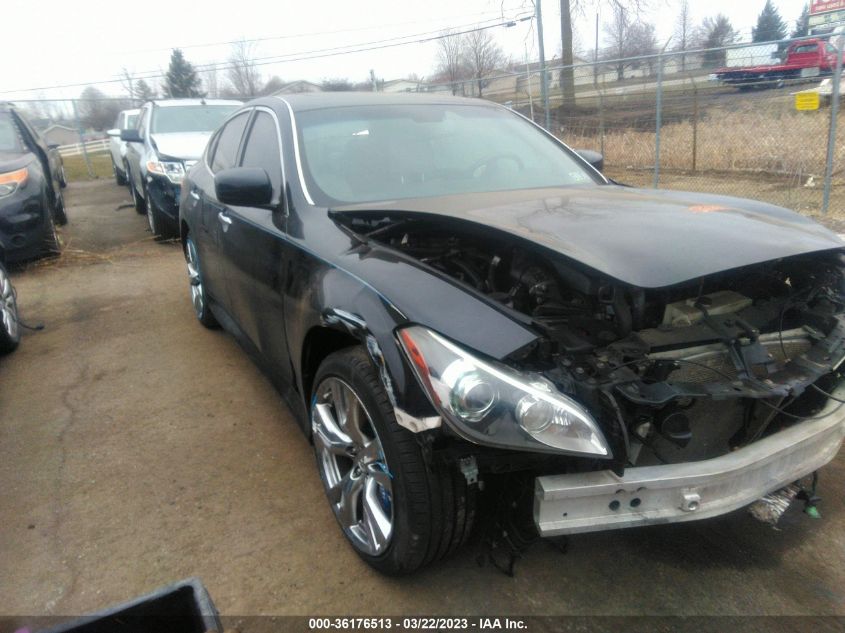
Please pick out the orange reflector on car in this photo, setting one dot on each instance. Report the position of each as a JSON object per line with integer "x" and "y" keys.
{"x": 18, "y": 176}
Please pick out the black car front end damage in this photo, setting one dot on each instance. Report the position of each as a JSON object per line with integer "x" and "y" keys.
{"x": 690, "y": 378}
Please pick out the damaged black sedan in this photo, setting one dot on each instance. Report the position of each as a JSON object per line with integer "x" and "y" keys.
{"x": 446, "y": 294}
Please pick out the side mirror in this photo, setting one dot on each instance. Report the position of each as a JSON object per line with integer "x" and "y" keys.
{"x": 243, "y": 186}
{"x": 114, "y": 132}
{"x": 131, "y": 136}
{"x": 594, "y": 158}
{"x": 54, "y": 146}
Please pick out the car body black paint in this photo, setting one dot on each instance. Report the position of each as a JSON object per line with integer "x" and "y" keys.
{"x": 25, "y": 215}
{"x": 275, "y": 275}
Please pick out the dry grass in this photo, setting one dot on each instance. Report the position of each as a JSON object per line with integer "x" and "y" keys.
{"x": 76, "y": 169}
{"x": 750, "y": 136}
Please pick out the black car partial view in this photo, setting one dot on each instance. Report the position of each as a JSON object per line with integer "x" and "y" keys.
{"x": 449, "y": 297}
{"x": 31, "y": 182}
{"x": 168, "y": 137}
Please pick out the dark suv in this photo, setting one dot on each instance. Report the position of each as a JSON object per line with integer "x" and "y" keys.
{"x": 31, "y": 181}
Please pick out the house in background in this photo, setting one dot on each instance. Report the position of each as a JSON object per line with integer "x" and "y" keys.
{"x": 297, "y": 87}
{"x": 400, "y": 85}
{"x": 60, "y": 135}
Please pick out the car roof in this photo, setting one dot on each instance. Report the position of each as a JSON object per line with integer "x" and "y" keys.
{"x": 318, "y": 100}
{"x": 175, "y": 103}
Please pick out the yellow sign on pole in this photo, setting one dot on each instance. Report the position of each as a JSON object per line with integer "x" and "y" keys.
{"x": 807, "y": 101}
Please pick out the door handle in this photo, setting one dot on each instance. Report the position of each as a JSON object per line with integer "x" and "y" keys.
{"x": 225, "y": 219}
{"x": 193, "y": 193}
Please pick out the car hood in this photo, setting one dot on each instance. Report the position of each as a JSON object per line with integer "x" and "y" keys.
{"x": 184, "y": 145}
{"x": 13, "y": 161}
{"x": 645, "y": 238}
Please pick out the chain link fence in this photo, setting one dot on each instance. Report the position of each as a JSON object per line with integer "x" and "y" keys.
{"x": 743, "y": 140}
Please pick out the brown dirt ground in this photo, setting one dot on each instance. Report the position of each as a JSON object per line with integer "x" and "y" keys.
{"x": 138, "y": 448}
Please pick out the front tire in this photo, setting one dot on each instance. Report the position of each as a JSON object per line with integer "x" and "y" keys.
{"x": 10, "y": 329}
{"x": 397, "y": 509}
{"x": 119, "y": 176}
{"x": 137, "y": 201}
{"x": 199, "y": 298}
{"x": 58, "y": 210}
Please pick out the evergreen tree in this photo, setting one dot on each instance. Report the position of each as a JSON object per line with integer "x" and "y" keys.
{"x": 770, "y": 26}
{"x": 802, "y": 24}
{"x": 716, "y": 33}
{"x": 143, "y": 91}
{"x": 181, "y": 79}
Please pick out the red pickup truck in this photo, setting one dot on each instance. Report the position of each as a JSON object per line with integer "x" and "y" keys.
{"x": 804, "y": 59}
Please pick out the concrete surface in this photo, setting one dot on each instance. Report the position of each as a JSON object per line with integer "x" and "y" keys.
{"x": 138, "y": 448}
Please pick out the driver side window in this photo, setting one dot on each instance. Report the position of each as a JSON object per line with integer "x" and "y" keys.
{"x": 228, "y": 143}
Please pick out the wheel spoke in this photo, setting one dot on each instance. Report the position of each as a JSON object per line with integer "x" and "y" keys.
{"x": 379, "y": 476}
{"x": 353, "y": 421}
{"x": 348, "y": 489}
{"x": 376, "y": 522}
{"x": 327, "y": 435}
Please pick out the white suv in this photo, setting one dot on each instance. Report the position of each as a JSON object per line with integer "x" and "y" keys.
{"x": 125, "y": 120}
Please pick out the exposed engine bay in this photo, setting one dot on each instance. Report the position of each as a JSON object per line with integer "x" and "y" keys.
{"x": 675, "y": 374}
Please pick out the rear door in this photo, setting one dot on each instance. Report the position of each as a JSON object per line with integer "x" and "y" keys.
{"x": 253, "y": 244}
{"x": 224, "y": 153}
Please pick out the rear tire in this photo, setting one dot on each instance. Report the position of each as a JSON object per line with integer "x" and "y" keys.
{"x": 431, "y": 507}
{"x": 10, "y": 329}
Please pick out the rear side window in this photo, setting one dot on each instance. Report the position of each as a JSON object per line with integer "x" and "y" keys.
{"x": 228, "y": 141}
{"x": 262, "y": 149}
{"x": 806, "y": 48}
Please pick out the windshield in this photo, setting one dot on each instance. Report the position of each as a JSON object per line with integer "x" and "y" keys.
{"x": 373, "y": 153}
{"x": 198, "y": 118}
{"x": 10, "y": 140}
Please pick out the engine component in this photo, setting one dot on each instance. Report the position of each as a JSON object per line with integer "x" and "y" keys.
{"x": 687, "y": 312}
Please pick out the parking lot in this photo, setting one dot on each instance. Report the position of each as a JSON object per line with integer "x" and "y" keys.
{"x": 138, "y": 448}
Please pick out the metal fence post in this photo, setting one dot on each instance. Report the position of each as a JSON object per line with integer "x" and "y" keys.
{"x": 658, "y": 120}
{"x": 82, "y": 139}
{"x": 831, "y": 139}
{"x": 544, "y": 80}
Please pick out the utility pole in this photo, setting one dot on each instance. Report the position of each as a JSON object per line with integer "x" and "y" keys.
{"x": 544, "y": 79}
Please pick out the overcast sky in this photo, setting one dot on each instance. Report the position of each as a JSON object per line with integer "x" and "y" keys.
{"x": 88, "y": 41}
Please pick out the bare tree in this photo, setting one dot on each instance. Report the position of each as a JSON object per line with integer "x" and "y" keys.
{"x": 684, "y": 31}
{"x": 144, "y": 92}
{"x": 482, "y": 56}
{"x": 98, "y": 111}
{"x": 211, "y": 81}
{"x": 242, "y": 73}
{"x": 627, "y": 37}
{"x": 450, "y": 60}
{"x": 568, "y": 8}
{"x": 127, "y": 82}
{"x": 274, "y": 84}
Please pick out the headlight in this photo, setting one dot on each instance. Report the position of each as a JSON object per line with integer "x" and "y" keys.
{"x": 11, "y": 181}
{"x": 489, "y": 403}
{"x": 174, "y": 170}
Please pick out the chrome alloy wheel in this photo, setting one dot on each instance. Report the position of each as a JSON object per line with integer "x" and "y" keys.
{"x": 8, "y": 306}
{"x": 352, "y": 465}
{"x": 194, "y": 278}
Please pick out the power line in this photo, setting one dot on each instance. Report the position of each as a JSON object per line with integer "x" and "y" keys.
{"x": 422, "y": 38}
{"x": 313, "y": 33}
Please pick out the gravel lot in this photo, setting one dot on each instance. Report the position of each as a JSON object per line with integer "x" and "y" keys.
{"x": 138, "y": 448}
